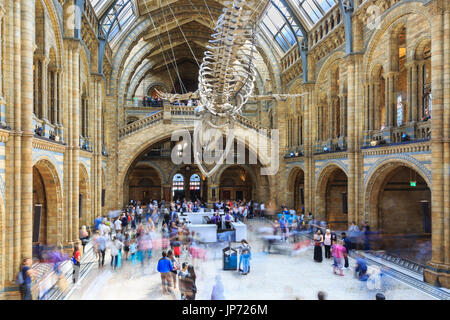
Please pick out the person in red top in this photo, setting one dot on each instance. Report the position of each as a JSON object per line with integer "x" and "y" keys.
{"x": 76, "y": 263}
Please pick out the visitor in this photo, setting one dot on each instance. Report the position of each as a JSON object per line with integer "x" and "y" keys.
{"x": 24, "y": 279}
{"x": 380, "y": 296}
{"x": 176, "y": 267}
{"x": 321, "y": 295}
{"x": 227, "y": 221}
{"x": 361, "y": 269}
{"x": 182, "y": 274}
{"x": 118, "y": 225}
{"x": 97, "y": 223}
{"x": 100, "y": 247}
{"x": 115, "y": 246}
{"x": 347, "y": 245}
{"x": 244, "y": 257}
{"x": 318, "y": 240}
{"x": 76, "y": 259}
{"x": 190, "y": 286}
{"x": 353, "y": 234}
{"x": 133, "y": 251}
{"x": 84, "y": 237}
{"x": 366, "y": 236}
{"x": 283, "y": 227}
{"x": 217, "y": 291}
{"x": 261, "y": 210}
{"x": 164, "y": 267}
{"x": 327, "y": 244}
{"x": 126, "y": 247}
{"x": 338, "y": 255}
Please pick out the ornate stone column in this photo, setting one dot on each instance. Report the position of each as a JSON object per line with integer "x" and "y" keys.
{"x": 76, "y": 143}
{"x": 27, "y": 127}
{"x": 438, "y": 269}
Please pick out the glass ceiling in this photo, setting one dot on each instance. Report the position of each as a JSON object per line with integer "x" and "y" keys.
{"x": 277, "y": 27}
{"x": 115, "y": 17}
{"x": 313, "y": 10}
{"x": 309, "y": 11}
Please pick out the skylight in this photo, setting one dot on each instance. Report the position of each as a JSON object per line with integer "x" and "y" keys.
{"x": 313, "y": 10}
{"x": 117, "y": 17}
{"x": 275, "y": 24}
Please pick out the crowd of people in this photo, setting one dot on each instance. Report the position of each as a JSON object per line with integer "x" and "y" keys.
{"x": 152, "y": 102}
{"x": 132, "y": 235}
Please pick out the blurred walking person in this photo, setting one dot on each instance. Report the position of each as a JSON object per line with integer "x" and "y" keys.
{"x": 191, "y": 288}
{"x": 217, "y": 291}
{"x": 327, "y": 244}
{"x": 24, "y": 279}
{"x": 76, "y": 259}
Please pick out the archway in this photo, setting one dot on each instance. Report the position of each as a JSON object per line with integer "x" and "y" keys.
{"x": 399, "y": 201}
{"x": 178, "y": 193}
{"x": 295, "y": 189}
{"x": 47, "y": 207}
{"x": 144, "y": 184}
{"x": 84, "y": 198}
{"x": 194, "y": 187}
{"x": 236, "y": 184}
{"x": 331, "y": 201}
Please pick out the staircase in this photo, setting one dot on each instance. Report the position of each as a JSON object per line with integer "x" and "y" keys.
{"x": 45, "y": 287}
{"x": 183, "y": 115}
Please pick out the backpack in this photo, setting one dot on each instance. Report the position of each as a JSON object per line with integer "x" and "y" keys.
{"x": 19, "y": 279}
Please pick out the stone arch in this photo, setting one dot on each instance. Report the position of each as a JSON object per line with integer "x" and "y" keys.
{"x": 331, "y": 62}
{"x": 375, "y": 190}
{"x": 388, "y": 19}
{"x": 157, "y": 84}
{"x": 86, "y": 218}
{"x": 248, "y": 188}
{"x": 295, "y": 182}
{"x": 50, "y": 6}
{"x": 47, "y": 191}
{"x": 420, "y": 47}
{"x": 331, "y": 210}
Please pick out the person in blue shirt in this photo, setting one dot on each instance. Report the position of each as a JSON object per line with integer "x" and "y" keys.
{"x": 361, "y": 269}
{"x": 97, "y": 222}
{"x": 283, "y": 226}
{"x": 164, "y": 268}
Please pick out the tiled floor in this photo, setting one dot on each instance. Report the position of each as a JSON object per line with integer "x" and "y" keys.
{"x": 272, "y": 276}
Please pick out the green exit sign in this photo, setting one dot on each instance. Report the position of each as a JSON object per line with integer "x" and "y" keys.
{"x": 412, "y": 183}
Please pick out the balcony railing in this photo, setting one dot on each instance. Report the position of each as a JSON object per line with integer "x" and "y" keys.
{"x": 419, "y": 131}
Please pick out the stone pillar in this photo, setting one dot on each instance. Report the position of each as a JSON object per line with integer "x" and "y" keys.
{"x": 420, "y": 89}
{"x": 15, "y": 246}
{"x": 438, "y": 269}
{"x": 376, "y": 107}
{"x": 27, "y": 127}
{"x": 76, "y": 143}
{"x": 391, "y": 99}
{"x": 354, "y": 137}
{"x": 308, "y": 162}
{"x": 44, "y": 88}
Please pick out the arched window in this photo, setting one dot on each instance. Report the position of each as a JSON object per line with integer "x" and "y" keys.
{"x": 426, "y": 84}
{"x": 178, "y": 182}
{"x": 194, "y": 183}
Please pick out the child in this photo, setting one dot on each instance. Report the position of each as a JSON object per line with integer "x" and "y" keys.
{"x": 176, "y": 248}
{"x": 338, "y": 252}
